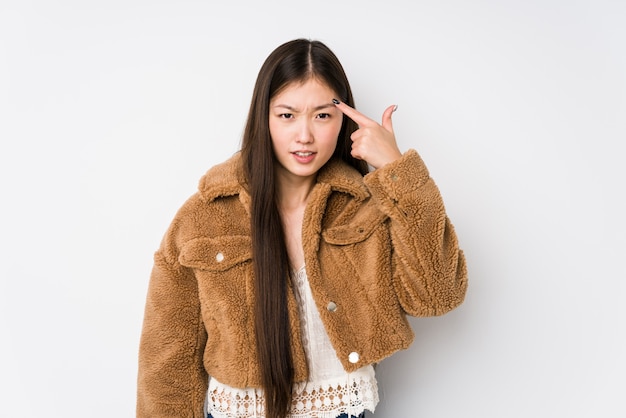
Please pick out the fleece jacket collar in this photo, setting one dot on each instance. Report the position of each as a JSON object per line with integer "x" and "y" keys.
{"x": 227, "y": 179}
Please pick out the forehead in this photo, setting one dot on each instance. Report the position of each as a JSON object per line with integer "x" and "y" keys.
{"x": 308, "y": 90}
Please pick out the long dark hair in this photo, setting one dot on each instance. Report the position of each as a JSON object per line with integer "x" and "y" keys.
{"x": 294, "y": 61}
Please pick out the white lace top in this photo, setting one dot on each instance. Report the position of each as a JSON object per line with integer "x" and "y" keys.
{"x": 330, "y": 390}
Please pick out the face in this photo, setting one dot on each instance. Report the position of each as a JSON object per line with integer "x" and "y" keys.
{"x": 304, "y": 126}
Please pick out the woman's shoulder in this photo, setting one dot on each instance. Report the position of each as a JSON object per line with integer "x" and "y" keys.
{"x": 202, "y": 211}
{"x": 224, "y": 179}
{"x": 221, "y": 180}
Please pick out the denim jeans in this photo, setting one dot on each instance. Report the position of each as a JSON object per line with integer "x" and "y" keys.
{"x": 340, "y": 416}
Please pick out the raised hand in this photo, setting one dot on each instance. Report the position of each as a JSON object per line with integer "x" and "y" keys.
{"x": 372, "y": 142}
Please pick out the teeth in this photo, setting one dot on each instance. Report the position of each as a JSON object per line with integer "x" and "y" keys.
{"x": 302, "y": 154}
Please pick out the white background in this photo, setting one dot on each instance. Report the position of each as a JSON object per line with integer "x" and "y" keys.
{"x": 110, "y": 111}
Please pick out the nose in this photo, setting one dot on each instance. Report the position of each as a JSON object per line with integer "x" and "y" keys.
{"x": 305, "y": 135}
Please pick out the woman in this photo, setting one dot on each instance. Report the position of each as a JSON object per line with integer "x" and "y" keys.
{"x": 290, "y": 273}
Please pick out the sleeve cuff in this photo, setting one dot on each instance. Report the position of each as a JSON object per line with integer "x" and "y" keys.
{"x": 399, "y": 178}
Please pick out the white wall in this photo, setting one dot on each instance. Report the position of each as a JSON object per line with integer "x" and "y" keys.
{"x": 110, "y": 111}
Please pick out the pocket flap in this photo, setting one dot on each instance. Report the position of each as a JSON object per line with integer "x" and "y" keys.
{"x": 216, "y": 254}
{"x": 356, "y": 231}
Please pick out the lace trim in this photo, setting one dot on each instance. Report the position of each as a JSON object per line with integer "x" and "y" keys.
{"x": 331, "y": 400}
{"x": 310, "y": 400}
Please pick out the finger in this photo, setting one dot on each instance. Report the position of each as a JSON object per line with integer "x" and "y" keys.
{"x": 387, "y": 124}
{"x": 354, "y": 114}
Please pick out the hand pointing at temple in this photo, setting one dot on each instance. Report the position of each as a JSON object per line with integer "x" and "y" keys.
{"x": 372, "y": 142}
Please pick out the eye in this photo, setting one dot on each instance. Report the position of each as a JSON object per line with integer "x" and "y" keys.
{"x": 286, "y": 116}
{"x": 323, "y": 115}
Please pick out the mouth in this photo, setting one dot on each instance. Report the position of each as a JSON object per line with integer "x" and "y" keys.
{"x": 304, "y": 156}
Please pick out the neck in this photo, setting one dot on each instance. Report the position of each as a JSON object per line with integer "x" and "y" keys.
{"x": 293, "y": 194}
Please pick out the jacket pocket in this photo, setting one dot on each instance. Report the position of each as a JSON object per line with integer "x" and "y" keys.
{"x": 215, "y": 254}
{"x": 359, "y": 229}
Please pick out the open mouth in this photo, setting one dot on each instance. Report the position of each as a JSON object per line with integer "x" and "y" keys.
{"x": 304, "y": 157}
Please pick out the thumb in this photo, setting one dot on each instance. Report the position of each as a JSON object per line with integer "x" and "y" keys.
{"x": 387, "y": 124}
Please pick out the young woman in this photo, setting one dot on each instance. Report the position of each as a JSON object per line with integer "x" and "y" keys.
{"x": 290, "y": 272}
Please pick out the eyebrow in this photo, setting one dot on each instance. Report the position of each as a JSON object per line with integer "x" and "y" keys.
{"x": 320, "y": 107}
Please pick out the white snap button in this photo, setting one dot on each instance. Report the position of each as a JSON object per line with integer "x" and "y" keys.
{"x": 353, "y": 357}
{"x": 219, "y": 257}
{"x": 332, "y": 306}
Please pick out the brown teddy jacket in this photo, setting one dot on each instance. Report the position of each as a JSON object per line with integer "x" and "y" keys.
{"x": 376, "y": 248}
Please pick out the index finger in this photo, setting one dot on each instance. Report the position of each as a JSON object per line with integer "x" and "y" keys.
{"x": 354, "y": 114}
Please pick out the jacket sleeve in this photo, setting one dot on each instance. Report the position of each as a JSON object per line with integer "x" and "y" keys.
{"x": 172, "y": 381}
{"x": 429, "y": 270}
